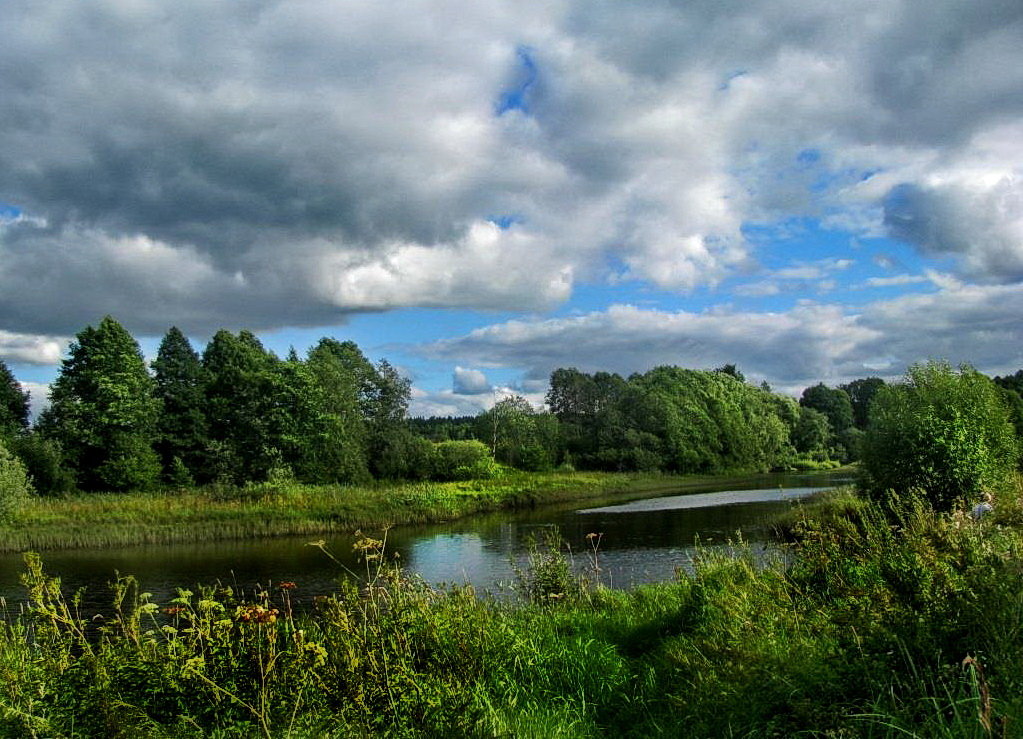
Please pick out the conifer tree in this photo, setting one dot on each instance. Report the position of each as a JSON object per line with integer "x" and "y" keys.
{"x": 181, "y": 386}
{"x": 103, "y": 412}
{"x": 13, "y": 404}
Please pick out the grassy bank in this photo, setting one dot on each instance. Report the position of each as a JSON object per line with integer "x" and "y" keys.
{"x": 879, "y": 625}
{"x": 97, "y": 520}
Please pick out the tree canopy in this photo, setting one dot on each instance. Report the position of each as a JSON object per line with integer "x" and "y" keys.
{"x": 103, "y": 411}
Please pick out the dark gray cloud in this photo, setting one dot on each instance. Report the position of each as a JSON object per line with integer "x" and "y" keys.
{"x": 274, "y": 163}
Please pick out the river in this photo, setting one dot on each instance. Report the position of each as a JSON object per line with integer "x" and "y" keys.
{"x": 640, "y": 541}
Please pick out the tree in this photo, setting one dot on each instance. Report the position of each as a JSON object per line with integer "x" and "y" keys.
{"x": 941, "y": 431}
{"x": 181, "y": 387}
{"x": 337, "y": 447}
{"x": 812, "y": 432}
{"x": 13, "y": 404}
{"x": 836, "y": 405}
{"x": 832, "y": 402}
{"x": 518, "y": 435}
{"x": 44, "y": 463}
{"x": 239, "y": 400}
{"x": 387, "y": 408}
{"x": 710, "y": 421}
{"x": 103, "y": 412}
{"x": 731, "y": 369}
{"x": 861, "y": 394}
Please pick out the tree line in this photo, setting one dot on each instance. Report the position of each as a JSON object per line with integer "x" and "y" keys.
{"x": 237, "y": 413}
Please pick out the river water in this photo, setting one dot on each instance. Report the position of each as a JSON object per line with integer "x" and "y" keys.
{"x": 640, "y": 541}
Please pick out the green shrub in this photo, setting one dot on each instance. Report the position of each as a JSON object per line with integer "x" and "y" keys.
{"x": 14, "y": 484}
{"x": 44, "y": 464}
{"x": 463, "y": 460}
{"x": 944, "y": 432}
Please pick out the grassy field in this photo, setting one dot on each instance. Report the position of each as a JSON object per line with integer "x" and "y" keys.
{"x": 880, "y": 623}
{"x": 96, "y": 520}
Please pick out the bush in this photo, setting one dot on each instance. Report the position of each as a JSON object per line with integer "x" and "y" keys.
{"x": 943, "y": 432}
{"x": 14, "y": 485}
{"x": 44, "y": 464}
{"x": 463, "y": 460}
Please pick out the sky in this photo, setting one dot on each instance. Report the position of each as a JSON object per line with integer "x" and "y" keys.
{"x": 484, "y": 191}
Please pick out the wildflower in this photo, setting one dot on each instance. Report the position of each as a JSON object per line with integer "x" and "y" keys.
{"x": 174, "y": 610}
{"x": 256, "y": 614}
{"x": 287, "y": 585}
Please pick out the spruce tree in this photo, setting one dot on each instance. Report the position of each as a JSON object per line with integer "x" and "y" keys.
{"x": 182, "y": 431}
{"x": 13, "y": 404}
{"x": 103, "y": 411}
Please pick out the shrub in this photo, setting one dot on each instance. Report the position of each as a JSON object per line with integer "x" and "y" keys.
{"x": 944, "y": 432}
{"x": 44, "y": 464}
{"x": 14, "y": 484}
{"x": 463, "y": 460}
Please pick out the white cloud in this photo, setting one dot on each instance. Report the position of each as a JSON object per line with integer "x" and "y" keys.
{"x": 426, "y": 403}
{"x": 39, "y": 397}
{"x": 895, "y": 280}
{"x": 810, "y": 343}
{"x": 470, "y": 382}
{"x": 283, "y": 163}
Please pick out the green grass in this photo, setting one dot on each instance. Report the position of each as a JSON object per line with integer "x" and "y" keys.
{"x": 881, "y": 624}
{"x": 97, "y": 520}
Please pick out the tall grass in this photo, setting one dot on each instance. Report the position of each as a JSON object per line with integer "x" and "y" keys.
{"x": 881, "y": 623}
{"x": 97, "y": 520}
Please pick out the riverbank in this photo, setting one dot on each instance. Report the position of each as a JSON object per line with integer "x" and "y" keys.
{"x": 100, "y": 520}
{"x": 881, "y": 624}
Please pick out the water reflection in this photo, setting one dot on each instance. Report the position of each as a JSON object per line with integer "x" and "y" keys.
{"x": 642, "y": 541}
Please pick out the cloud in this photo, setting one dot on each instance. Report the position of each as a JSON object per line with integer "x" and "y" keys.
{"x": 31, "y": 349}
{"x": 39, "y": 398}
{"x": 810, "y": 343}
{"x": 426, "y": 403}
{"x": 271, "y": 164}
{"x": 894, "y": 280}
{"x": 469, "y": 382}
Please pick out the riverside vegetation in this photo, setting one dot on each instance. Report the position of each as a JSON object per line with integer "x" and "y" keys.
{"x": 893, "y": 613}
{"x": 890, "y": 621}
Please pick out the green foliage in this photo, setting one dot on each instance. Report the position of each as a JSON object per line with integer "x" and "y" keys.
{"x": 44, "y": 463}
{"x": 13, "y": 405}
{"x": 836, "y": 405}
{"x": 15, "y": 485}
{"x": 240, "y": 404}
{"x": 710, "y": 421}
{"x": 941, "y": 431}
{"x": 874, "y": 627}
{"x": 670, "y": 419}
{"x": 337, "y": 447}
{"x": 182, "y": 434}
{"x": 861, "y": 395}
{"x": 463, "y": 460}
{"x": 812, "y": 432}
{"x": 103, "y": 412}
{"x": 518, "y": 435}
